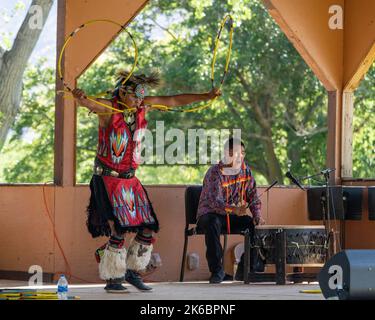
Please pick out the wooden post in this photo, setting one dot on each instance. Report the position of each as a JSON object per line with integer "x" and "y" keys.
{"x": 334, "y": 136}
{"x": 65, "y": 115}
{"x": 347, "y": 135}
{"x": 334, "y": 144}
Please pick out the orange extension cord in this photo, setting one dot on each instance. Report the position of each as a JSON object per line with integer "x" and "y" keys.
{"x": 68, "y": 271}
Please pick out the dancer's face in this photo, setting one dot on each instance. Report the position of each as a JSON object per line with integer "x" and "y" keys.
{"x": 130, "y": 99}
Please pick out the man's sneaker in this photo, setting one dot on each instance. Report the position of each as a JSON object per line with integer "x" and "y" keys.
{"x": 217, "y": 277}
{"x": 135, "y": 279}
{"x": 115, "y": 287}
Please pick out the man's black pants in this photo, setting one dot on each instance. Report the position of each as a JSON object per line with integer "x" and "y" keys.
{"x": 215, "y": 224}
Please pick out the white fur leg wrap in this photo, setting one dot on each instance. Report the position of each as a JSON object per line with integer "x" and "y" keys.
{"x": 139, "y": 256}
{"x": 113, "y": 263}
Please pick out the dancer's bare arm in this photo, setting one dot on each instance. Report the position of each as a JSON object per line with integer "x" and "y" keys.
{"x": 81, "y": 99}
{"x": 181, "y": 99}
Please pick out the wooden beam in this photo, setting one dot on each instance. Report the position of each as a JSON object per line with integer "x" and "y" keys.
{"x": 65, "y": 112}
{"x": 362, "y": 69}
{"x": 59, "y": 100}
{"x": 347, "y": 135}
{"x": 126, "y": 24}
{"x": 359, "y": 41}
{"x": 297, "y": 41}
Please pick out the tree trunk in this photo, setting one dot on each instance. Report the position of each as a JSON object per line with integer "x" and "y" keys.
{"x": 261, "y": 113}
{"x": 12, "y": 66}
{"x": 274, "y": 169}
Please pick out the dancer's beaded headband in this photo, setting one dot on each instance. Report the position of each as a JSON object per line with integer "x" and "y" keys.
{"x": 136, "y": 84}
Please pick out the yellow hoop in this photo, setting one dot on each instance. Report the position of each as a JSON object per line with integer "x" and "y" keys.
{"x": 229, "y": 18}
{"x": 91, "y": 98}
{"x": 226, "y": 18}
{"x": 160, "y": 107}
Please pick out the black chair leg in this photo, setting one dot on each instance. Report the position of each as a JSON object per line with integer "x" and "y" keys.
{"x": 225, "y": 248}
{"x": 247, "y": 258}
{"x": 182, "y": 272}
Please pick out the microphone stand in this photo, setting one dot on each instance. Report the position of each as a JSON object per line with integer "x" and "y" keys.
{"x": 331, "y": 237}
{"x": 325, "y": 200}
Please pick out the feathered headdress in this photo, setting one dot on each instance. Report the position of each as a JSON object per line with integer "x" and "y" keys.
{"x": 152, "y": 80}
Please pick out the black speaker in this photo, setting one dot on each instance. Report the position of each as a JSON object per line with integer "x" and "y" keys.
{"x": 352, "y": 197}
{"x": 316, "y": 198}
{"x": 349, "y": 275}
{"x": 371, "y": 203}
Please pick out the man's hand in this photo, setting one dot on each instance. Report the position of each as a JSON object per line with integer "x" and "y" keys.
{"x": 258, "y": 221}
{"x": 215, "y": 92}
{"x": 79, "y": 94}
{"x": 240, "y": 211}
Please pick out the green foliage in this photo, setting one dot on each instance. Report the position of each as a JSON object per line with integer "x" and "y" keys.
{"x": 364, "y": 128}
{"x": 28, "y": 154}
{"x": 267, "y": 77}
{"x": 273, "y": 76}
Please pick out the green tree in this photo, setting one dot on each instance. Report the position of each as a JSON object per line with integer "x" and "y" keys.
{"x": 364, "y": 128}
{"x": 269, "y": 93}
{"x": 13, "y": 63}
{"x": 32, "y": 161}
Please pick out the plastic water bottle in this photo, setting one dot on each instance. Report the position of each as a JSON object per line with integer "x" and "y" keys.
{"x": 62, "y": 288}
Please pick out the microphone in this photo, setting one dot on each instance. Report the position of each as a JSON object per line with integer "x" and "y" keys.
{"x": 294, "y": 180}
{"x": 326, "y": 171}
{"x": 272, "y": 185}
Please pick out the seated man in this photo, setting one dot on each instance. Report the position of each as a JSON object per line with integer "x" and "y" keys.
{"x": 228, "y": 190}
